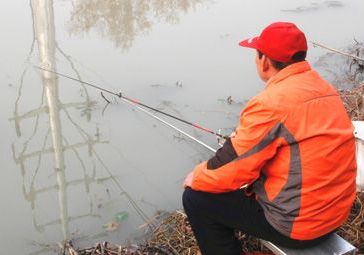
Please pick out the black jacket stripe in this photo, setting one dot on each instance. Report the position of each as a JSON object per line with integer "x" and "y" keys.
{"x": 223, "y": 156}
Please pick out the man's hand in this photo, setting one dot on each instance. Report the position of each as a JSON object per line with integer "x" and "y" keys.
{"x": 188, "y": 180}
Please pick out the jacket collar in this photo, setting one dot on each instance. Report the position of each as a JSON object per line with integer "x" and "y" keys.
{"x": 290, "y": 70}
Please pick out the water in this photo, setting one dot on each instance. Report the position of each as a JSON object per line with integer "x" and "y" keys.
{"x": 70, "y": 166}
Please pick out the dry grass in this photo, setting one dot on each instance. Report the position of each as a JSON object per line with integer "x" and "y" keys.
{"x": 353, "y": 229}
{"x": 172, "y": 236}
{"x": 354, "y": 102}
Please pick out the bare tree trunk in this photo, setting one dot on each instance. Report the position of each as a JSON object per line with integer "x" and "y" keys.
{"x": 44, "y": 28}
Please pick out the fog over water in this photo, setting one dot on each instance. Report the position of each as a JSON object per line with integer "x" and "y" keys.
{"x": 75, "y": 167}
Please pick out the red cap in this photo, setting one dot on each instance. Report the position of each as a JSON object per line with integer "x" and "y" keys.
{"x": 278, "y": 41}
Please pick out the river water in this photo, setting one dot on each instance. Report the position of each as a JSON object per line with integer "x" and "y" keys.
{"x": 75, "y": 167}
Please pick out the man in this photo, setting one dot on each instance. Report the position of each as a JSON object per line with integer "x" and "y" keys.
{"x": 294, "y": 148}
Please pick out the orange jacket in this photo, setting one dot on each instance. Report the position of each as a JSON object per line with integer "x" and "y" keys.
{"x": 295, "y": 147}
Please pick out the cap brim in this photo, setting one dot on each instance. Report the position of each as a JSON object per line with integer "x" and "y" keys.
{"x": 250, "y": 43}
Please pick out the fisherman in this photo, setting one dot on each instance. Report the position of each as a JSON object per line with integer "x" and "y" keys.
{"x": 287, "y": 173}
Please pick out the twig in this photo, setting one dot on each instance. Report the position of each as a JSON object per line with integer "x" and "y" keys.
{"x": 107, "y": 103}
{"x": 107, "y": 100}
{"x": 337, "y": 51}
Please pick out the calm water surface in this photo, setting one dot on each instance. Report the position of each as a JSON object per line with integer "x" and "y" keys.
{"x": 71, "y": 163}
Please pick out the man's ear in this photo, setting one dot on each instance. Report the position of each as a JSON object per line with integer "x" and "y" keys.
{"x": 266, "y": 63}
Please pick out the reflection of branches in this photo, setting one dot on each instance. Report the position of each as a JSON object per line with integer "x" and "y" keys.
{"x": 113, "y": 18}
{"x": 123, "y": 20}
{"x": 45, "y": 248}
{"x": 69, "y": 59}
{"x": 31, "y": 177}
{"x": 32, "y": 194}
{"x": 132, "y": 202}
{"x": 44, "y": 35}
{"x": 167, "y": 10}
{"x": 41, "y": 227}
{"x": 29, "y": 55}
{"x": 92, "y": 151}
{"x": 84, "y": 170}
{"x": 25, "y": 145}
{"x": 17, "y": 127}
{"x": 82, "y": 132}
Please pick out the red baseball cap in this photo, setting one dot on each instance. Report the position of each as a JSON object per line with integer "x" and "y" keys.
{"x": 278, "y": 41}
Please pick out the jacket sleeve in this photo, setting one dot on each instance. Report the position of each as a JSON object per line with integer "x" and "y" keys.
{"x": 242, "y": 157}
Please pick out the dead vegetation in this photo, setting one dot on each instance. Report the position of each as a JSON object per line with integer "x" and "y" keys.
{"x": 172, "y": 236}
{"x": 353, "y": 229}
{"x": 354, "y": 102}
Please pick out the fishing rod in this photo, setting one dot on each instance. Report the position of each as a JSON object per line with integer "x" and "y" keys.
{"x": 138, "y": 105}
{"x": 172, "y": 126}
{"x": 136, "y": 102}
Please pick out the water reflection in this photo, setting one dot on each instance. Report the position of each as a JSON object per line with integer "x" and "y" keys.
{"x": 343, "y": 72}
{"x": 45, "y": 150}
{"x": 315, "y": 6}
{"x": 122, "y": 20}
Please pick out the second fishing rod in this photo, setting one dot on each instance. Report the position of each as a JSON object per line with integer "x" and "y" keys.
{"x": 134, "y": 101}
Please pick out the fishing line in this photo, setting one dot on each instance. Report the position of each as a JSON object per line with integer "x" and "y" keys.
{"x": 138, "y": 103}
{"x": 174, "y": 127}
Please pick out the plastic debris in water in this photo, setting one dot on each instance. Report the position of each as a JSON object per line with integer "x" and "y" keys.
{"x": 121, "y": 216}
{"x": 111, "y": 226}
{"x": 115, "y": 223}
